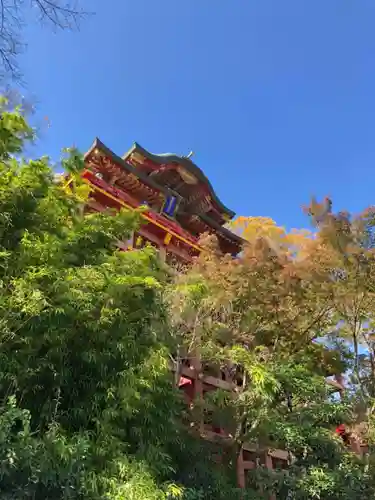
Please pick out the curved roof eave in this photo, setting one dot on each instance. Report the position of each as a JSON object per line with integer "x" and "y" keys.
{"x": 186, "y": 163}
{"x": 98, "y": 144}
{"x": 224, "y": 230}
{"x": 122, "y": 163}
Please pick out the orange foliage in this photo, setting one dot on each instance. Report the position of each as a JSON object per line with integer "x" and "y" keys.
{"x": 295, "y": 243}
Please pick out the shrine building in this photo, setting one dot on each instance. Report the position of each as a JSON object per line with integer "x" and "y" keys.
{"x": 180, "y": 202}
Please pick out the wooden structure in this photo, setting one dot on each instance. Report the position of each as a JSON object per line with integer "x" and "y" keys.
{"x": 180, "y": 206}
{"x": 196, "y": 380}
{"x": 181, "y": 203}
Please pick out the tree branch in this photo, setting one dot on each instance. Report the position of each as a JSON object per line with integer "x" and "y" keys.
{"x": 60, "y": 14}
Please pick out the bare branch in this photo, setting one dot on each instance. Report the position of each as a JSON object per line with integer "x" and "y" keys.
{"x": 2, "y": 15}
{"x": 58, "y": 14}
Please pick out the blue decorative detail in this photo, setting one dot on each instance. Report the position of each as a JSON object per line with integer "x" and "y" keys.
{"x": 170, "y": 206}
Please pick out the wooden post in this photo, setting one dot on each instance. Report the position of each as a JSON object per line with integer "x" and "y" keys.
{"x": 241, "y": 479}
{"x": 162, "y": 253}
{"x": 269, "y": 465}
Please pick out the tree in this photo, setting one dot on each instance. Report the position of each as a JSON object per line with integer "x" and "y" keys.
{"x": 88, "y": 403}
{"x": 294, "y": 242}
{"x": 347, "y": 251}
{"x": 261, "y": 315}
{"x": 89, "y": 408}
{"x": 60, "y": 14}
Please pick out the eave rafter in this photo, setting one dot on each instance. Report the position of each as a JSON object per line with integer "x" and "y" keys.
{"x": 139, "y": 155}
{"x": 99, "y": 162}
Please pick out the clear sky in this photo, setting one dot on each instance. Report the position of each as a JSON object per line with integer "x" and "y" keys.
{"x": 276, "y": 98}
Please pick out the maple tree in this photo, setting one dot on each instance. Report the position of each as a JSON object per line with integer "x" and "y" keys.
{"x": 266, "y": 317}
{"x": 347, "y": 253}
{"x": 292, "y": 242}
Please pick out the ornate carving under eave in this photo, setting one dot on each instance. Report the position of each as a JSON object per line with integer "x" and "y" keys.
{"x": 195, "y": 198}
{"x": 198, "y": 202}
{"x": 194, "y": 224}
{"x": 203, "y": 206}
{"x": 182, "y": 182}
{"x": 166, "y": 176}
{"x": 117, "y": 176}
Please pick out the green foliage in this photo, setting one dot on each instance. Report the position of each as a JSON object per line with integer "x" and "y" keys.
{"x": 259, "y": 315}
{"x": 84, "y": 343}
{"x": 14, "y": 131}
{"x": 88, "y": 403}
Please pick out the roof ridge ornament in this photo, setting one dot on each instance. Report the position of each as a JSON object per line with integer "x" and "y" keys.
{"x": 190, "y": 155}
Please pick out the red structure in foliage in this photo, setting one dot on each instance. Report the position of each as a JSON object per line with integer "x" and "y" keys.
{"x": 181, "y": 202}
{"x": 180, "y": 205}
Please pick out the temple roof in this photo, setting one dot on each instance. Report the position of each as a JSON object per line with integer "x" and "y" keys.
{"x": 146, "y": 177}
{"x": 98, "y": 144}
{"x": 188, "y": 165}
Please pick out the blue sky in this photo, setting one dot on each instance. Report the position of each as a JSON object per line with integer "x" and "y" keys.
{"x": 276, "y": 98}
